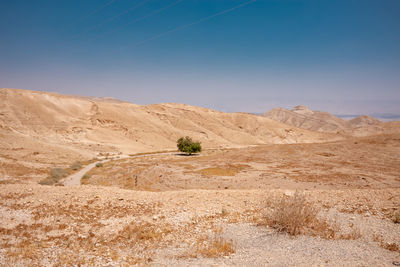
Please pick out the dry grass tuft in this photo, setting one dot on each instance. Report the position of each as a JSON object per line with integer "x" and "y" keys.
{"x": 217, "y": 247}
{"x": 212, "y": 247}
{"x": 390, "y": 246}
{"x": 353, "y": 235}
{"x": 295, "y": 216}
{"x": 386, "y": 245}
{"x": 135, "y": 233}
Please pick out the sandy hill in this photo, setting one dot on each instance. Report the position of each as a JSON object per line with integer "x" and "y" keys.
{"x": 305, "y": 118}
{"x": 63, "y": 126}
{"x": 363, "y": 120}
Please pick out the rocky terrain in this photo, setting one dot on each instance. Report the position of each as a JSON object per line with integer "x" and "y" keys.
{"x": 262, "y": 192}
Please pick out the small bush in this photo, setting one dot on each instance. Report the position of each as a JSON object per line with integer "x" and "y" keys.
{"x": 100, "y": 164}
{"x": 294, "y": 215}
{"x": 85, "y": 179}
{"x": 216, "y": 247}
{"x": 186, "y": 145}
{"x": 76, "y": 165}
{"x": 137, "y": 233}
{"x": 56, "y": 174}
{"x": 47, "y": 181}
{"x": 211, "y": 247}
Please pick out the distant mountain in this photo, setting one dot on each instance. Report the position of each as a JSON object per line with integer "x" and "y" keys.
{"x": 303, "y": 117}
{"x": 363, "y": 120}
{"x": 379, "y": 116}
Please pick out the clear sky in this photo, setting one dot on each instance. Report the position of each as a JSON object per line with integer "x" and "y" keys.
{"x": 341, "y": 56}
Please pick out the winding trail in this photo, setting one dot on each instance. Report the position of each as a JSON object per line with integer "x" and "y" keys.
{"x": 75, "y": 179}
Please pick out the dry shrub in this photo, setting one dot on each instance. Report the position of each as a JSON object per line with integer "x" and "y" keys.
{"x": 212, "y": 247}
{"x": 76, "y": 165}
{"x": 47, "y": 181}
{"x": 295, "y": 216}
{"x": 353, "y": 235}
{"x": 56, "y": 174}
{"x": 386, "y": 245}
{"x": 85, "y": 179}
{"x": 143, "y": 232}
{"x": 390, "y": 246}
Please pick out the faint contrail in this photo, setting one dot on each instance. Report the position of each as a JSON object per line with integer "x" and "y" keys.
{"x": 113, "y": 18}
{"x": 91, "y": 13}
{"x": 142, "y": 18}
{"x": 194, "y": 23}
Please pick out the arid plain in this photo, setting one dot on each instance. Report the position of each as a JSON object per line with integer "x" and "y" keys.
{"x": 289, "y": 187}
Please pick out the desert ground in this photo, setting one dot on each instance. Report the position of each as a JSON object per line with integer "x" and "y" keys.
{"x": 98, "y": 182}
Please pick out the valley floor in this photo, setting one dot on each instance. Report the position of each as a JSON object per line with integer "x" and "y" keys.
{"x": 222, "y": 207}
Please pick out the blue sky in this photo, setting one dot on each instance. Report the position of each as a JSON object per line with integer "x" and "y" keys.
{"x": 237, "y": 55}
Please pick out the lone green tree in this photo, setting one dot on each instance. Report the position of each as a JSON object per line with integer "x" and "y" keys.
{"x": 186, "y": 145}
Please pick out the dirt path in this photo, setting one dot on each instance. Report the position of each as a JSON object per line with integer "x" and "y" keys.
{"x": 75, "y": 179}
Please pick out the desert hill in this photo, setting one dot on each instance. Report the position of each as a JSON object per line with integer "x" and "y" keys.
{"x": 64, "y": 126}
{"x": 305, "y": 118}
{"x": 363, "y": 120}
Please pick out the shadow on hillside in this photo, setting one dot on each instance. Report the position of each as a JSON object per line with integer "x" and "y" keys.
{"x": 187, "y": 155}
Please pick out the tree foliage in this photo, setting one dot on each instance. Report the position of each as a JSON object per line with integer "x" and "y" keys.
{"x": 186, "y": 145}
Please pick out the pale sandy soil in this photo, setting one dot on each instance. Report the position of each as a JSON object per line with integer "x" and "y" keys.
{"x": 88, "y": 225}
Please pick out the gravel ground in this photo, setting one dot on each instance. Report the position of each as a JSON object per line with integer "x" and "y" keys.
{"x": 43, "y": 224}
{"x": 256, "y": 246}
